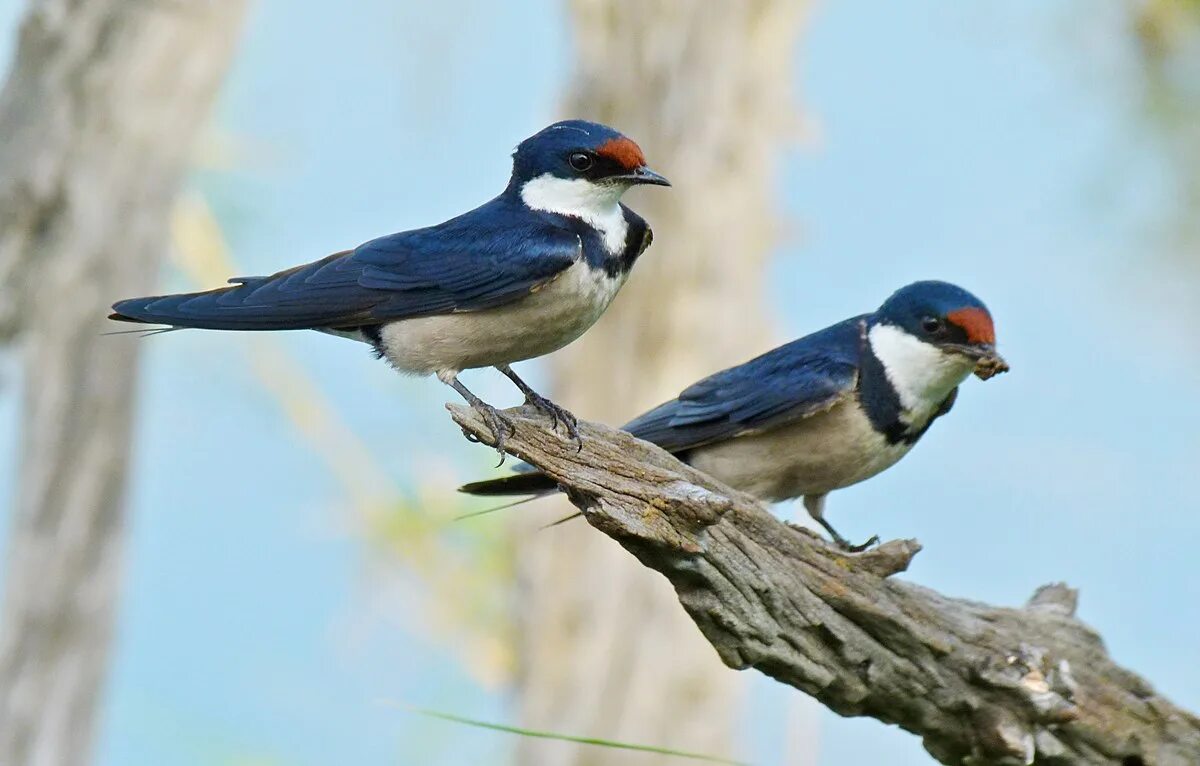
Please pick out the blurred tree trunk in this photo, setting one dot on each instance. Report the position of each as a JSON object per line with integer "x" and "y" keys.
{"x": 97, "y": 119}
{"x": 705, "y": 86}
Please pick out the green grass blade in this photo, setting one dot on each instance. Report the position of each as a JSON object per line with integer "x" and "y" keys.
{"x": 580, "y": 740}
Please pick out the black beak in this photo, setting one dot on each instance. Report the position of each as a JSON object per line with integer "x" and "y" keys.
{"x": 643, "y": 175}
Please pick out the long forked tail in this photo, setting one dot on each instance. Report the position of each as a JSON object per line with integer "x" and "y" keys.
{"x": 524, "y": 483}
{"x": 320, "y": 294}
{"x": 179, "y": 310}
{"x": 226, "y": 308}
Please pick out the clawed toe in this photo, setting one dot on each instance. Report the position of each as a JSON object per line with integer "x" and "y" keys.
{"x": 559, "y": 415}
{"x": 502, "y": 427}
{"x": 845, "y": 545}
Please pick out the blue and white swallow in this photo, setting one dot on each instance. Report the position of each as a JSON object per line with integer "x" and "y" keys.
{"x": 521, "y": 276}
{"x": 823, "y": 412}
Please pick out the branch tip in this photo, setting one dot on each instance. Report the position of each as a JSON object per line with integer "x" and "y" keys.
{"x": 1054, "y": 598}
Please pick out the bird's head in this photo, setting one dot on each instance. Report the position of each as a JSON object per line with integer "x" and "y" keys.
{"x": 576, "y": 167}
{"x": 929, "y": 336}
{"x": 951, "y": 323}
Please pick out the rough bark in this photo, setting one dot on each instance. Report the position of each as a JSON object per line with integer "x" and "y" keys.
{"x": 706, "y": 88}
{"x": 981, "y": 685}
{"x": 97, "y": 118}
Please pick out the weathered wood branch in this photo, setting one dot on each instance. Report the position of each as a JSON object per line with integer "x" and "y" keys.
{"x": 979, "y": 684}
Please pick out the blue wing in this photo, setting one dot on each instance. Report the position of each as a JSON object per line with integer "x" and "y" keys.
{"x": 488, "y": 257}
{"x": 791, "y": 382}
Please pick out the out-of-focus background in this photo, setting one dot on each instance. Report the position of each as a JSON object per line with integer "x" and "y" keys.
{"x": 277, "y": 563}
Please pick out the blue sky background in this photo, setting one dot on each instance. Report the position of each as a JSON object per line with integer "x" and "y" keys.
{"x": 994, "y": 144}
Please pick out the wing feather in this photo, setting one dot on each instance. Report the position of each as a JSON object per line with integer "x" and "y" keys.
{"x": 485, "y": 258}
{"x": 791, "y": 382}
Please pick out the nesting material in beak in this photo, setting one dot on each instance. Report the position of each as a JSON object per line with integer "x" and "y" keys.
{"x": 990, "y": 365}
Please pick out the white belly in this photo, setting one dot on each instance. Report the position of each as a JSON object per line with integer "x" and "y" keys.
{"x": 545, "y": 321}
{"x": 821, "y": 453}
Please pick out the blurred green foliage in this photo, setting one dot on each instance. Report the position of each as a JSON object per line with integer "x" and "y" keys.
{"x": 1168, "y": 38}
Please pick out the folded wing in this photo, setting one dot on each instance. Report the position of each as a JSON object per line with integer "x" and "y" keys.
{"x": 791, "y": 382}
{"x": 483, "y": 259}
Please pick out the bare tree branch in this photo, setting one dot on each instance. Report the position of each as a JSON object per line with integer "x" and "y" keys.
{"x": 979, "y": 684}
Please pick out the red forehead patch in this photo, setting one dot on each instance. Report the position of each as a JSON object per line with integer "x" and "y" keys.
{"x": 976, "y": 322}
{"x": 624, "y": 152}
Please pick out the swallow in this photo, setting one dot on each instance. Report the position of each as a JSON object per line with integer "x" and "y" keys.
{"x": 829, "y": 410}
{"x": 518, "y": 277}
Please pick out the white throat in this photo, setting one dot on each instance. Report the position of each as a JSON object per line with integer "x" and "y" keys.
{"x": 922, "y": 374}
{"x": 597, "y": 205}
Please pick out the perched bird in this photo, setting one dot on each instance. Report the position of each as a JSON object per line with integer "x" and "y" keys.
{"x": 516, "y": 278}
{"x": 825, "y": 411}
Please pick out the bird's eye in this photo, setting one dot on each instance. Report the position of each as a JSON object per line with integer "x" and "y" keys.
{"x": 931, "y": 324}
{"x": 581, "y": 161}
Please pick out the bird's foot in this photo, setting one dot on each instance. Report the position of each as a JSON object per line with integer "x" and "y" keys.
{"x": 558, "y": 415}
{"x": 838, "y": 540}
{"x": 845, "y": 545}
{"x": 502, "y": 427}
